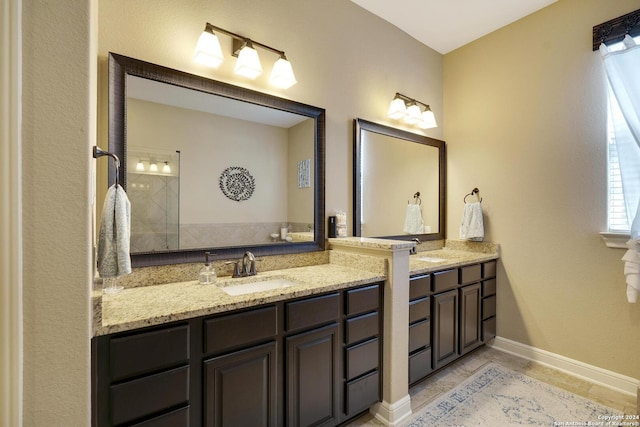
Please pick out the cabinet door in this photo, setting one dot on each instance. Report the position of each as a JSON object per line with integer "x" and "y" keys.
{"x": 445, "y": 328}
{"x": 470, "y": 319}
{"x": 313, "y": 377}
{"x": 240, "y": 388}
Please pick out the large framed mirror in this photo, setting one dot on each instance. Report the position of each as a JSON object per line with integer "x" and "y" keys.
{"x": 209, "y": 166}
{"x": 399, "y": 183}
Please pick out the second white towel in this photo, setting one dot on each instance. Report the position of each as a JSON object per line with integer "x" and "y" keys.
{"x": 472, "y": 227}
{"x": 413, "y": 223}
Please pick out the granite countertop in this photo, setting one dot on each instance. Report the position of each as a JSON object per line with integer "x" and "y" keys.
{"x": 446, "y": 258}
{"x": 154, "y": 305}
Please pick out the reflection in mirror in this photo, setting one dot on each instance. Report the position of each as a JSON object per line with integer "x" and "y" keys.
{"x": 210, "y": 166}
{"x": 391, "y": 167}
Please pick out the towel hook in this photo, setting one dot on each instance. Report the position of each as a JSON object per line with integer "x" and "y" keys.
{"x": 97, "y": 153}
{"x": 475, "y": 192}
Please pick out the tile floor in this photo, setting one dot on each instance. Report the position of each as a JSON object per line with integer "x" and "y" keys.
{"x": 427, "y": 390}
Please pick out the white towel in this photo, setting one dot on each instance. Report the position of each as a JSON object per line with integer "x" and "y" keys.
{"x": 472, "y": 227}
{"x": 632, "y": 271}
{"x": 413, "y": 223}
{"x": 115, "y": 232}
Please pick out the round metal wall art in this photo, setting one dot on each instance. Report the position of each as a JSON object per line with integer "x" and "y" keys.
{"x": 237, "y": 183}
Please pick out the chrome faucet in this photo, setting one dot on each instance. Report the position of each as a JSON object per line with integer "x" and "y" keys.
{"x": 249, "y": 264}
{"x": 414, "y": 249}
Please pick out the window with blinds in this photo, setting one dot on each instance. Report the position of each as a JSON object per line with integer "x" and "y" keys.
{"x": 617, "y": 213}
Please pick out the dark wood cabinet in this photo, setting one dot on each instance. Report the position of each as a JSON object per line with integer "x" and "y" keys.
{"x": 313, "y": 377}
{"x": 445, "y": 328}
{"x": 240, "y": 388}
{"x": 451, "y": 312}
{"x": 309, "y": 361}
{"x": 470, "y": 319}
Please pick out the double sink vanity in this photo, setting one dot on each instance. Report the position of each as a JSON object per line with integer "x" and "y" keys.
{"x": 327, "y": 328}
{"x": 314, "y": 352}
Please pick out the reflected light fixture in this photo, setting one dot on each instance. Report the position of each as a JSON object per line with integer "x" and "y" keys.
{"x": 140, "y": 166}
{"x": 208, "y": 52}
{"x": 409, "y": 110}
{"x": 153, "y": 167}
{"x": 166, "y": 168}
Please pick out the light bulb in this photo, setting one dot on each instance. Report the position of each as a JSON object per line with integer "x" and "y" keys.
{"x": 397, "y": 109}
{"x": 208, "y": 51}
{"x": 282, "y": 74}
{"x": 413, "y": 114}
{"x": 248, "y": 64}
{"x": 166, "y": 168}
{"x": 428, "y": 120}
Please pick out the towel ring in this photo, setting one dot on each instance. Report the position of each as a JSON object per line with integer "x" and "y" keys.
{"x": 416, "y": 197}
{"x": 474, "y": 192}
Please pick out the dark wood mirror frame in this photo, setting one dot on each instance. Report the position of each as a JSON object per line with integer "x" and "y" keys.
{"x": 120, "y": 66}
{"x": 360, "y": 125}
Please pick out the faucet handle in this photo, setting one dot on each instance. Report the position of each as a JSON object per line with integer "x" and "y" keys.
{"x": 237, "y": 269}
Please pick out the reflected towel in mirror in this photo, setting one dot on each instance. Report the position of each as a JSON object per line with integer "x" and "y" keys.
{"x": 413, "y": 223}
{"x": 115, "y": 233}
{"x": 472, "y": 227}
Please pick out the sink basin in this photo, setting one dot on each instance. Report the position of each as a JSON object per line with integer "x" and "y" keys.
{"x": 257, "y": 286}
{"x": 431, "y": 259}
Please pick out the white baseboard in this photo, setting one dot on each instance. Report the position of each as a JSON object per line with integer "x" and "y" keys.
{"x": 610, "y": 379}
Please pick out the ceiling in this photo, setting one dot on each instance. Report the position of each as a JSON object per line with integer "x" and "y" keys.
{"x": 445, "y": 25}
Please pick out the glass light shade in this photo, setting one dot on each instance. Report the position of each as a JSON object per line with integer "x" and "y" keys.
{"x": 413, "y": 114}
{"x": 140, "y": 166}
{"x": 166, "y": 168}
{"x": 248, "y": 64}
{"x": 397, "y": 109}
{"x": 282, "y": 74}
{"x": 208, "y": 51}
{"x": 428, "y": 120}
{"x": 153, "y": 167}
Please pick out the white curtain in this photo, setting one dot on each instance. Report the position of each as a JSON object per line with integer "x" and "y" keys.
{"x": 623, "y": 73}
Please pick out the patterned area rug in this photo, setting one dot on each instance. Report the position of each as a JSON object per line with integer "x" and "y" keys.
{"x": 495, "y": 396}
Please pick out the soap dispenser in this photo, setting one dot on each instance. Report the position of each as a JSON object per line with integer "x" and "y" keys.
{"x": 207, "y": 274}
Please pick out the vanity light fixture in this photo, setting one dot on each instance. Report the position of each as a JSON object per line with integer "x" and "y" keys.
{"x": 140, "y": 166}
{"x": 208, "y": 52}
{"x": 409, "y": 109}
{"x": 166, "y": 168}
{"x": 153, "y": 167}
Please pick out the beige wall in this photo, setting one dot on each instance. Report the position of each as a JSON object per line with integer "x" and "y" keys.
{"x": 525, "y": 123}
{"x": 340, "y": 62}
{"x": 58, "y": 130}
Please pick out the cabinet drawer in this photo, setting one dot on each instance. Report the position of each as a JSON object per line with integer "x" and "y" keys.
{"x": 419, "y": 286}
{"x": 236, "y": 330}
{"x": 470, "y": 274}
{"x": 419, "y": 309}
{"x": 133, "y": 399}
{"x": 178, "y": 418}
{"x": 362, "y": 358}
{"x": 489, "y": 287}
{"x": 444, "y": 280}
{"x": 148, "y": 351}
{"x": 362, "y": 300}
{"x": 488, "y": 307}
{"x": 489, "y": 269}
{"x": 312, "y": 311}
{"x": 362, "y": 393}
{"x": 419, "y": 365}
{"x": 362, "y": 327}
{"x": 488, "y": 329}
{"x": 419, "y": 335}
